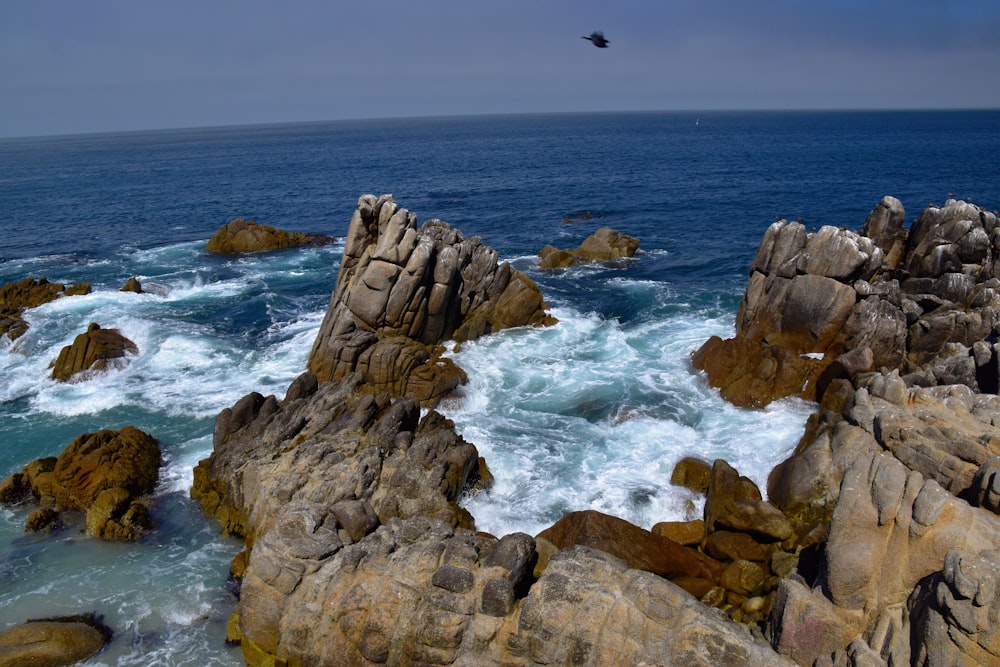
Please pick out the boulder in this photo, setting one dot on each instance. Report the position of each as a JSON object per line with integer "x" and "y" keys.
{"x": 104, "y": 475}
{"x": 734, "y": 502}
{"x": 604, "y": 245}
{"x": 92, "y": 352}
{"x": 16, "y": 297}
{"x": 53, "y": 642}
{"x": 246, "y": 236}
{"x": 132, "y": 285}
{"x": 403, "y": 290}
{"x": 640, "y": 549}
{"x": 692, "y": 473}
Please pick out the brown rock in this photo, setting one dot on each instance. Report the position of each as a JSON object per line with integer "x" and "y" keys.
{"x": 639, "y": 548}
{"x": 402, "y": 290}
{"x": 244, "y": 236}
{"x": 743, "y": 577}
{"x": 102, "y": 474}
{"x": 96, "y": 350}
{"x": 688, "y": 533}
{"x": 604, "y": 245}
{"x": 52, "y": 642}
{"x": 734, "y": 502}
{"x": 16, "y": 297}
{"x": 692, "y": 473}
{"x": 132, "y": 285}
{"x": 726, "y": 545}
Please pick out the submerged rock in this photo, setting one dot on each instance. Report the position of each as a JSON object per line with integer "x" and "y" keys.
{"x": 104, "y": 474}
{"x": 91, "y": 352}
{"x": 604, "y": 245}
{"x": 246, "y": 236}
{"x": 16, "y": 297}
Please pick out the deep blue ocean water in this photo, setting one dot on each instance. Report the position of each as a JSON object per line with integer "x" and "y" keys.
{"x": 593, "y": 412}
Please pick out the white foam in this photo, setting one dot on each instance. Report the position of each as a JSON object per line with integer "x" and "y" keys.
{"x": 590, "y": 415}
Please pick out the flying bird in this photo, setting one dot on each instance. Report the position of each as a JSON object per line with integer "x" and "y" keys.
{"x": 597, "y": 39}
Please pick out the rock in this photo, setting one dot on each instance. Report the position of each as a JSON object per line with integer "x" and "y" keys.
{"x": 132, "y": 285}
{"x": 604, "y": 245}
{"x": 688, "y": 533}
{"x": 403, "y": 290}
{"x": 639, "y": 548}
{"x": 16, "y": 297}
{"x": 246, "y": 236}
{"x": 734, "y": 502}
{"x": 91, "y": 352}
{"x": 692, "y": 473}
{"x": 53, "y": 642}
{"x": 725, "y": 545}
{"x": 985, "y": 488}
{"x": 837, "y": 304}
{"x": 102, "y": 474}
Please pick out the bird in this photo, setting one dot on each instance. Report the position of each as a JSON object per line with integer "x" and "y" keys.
{"x": 597, "y": 39}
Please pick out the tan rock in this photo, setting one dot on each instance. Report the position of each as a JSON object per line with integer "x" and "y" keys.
{"x": 96, "y": 350}
{"x": 103, "y": 474}
{"x": 688, "y": 533}
{"x": 604, "y": 245}
{"x": 692, "y": 473}
{"x": 639, "y": 548}
{"x": 245, "y": 236}
{"x": 16, "y": 297}
{"x": 52, "y": 642}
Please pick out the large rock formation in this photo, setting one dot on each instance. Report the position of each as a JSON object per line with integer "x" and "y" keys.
{"x": 244, "y": 236}
{"x": 604, "y": 245}
{"x": 95, "y": 351}
{"x": 16, "y": 297}
{"x": 835, "y": 304}
{"x": 357, "y": 551}
{"x": 104, "y": 475}
{"x": 403, "y": 290}
{"x": 894, "y": 332}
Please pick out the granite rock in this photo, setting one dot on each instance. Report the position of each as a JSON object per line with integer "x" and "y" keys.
{"x": 92, "y": 352}
{"x": 247, "y": 236}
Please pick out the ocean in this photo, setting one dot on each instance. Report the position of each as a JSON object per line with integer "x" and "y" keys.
{"x": 590, "y": 413}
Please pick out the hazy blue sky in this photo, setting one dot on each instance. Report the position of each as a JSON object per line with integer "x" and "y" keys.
{"x": 98, "y": 65}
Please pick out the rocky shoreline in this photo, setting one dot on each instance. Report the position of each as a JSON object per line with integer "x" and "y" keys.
{"x": 875, "y": 544}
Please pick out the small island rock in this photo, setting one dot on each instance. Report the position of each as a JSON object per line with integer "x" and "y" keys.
{"x": 246, "y": 236}
{"x": 604, "y": 245}
{"x": 94, "y": 351}
{"x": 16, "y": 297}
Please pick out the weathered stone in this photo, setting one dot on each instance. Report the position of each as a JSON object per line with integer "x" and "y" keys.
{"x": 132, "y": 285}
{"x": 734, "y": 502}
{"x": 639, "y": 548}
{"x": 692, "y": 473}
{"x": 726, "y": 545}
{"x": 94, "y": 351}
{"x": 106, "y": 473}
{"x": 16, "y": 297}
{"x": 245, "y": 236}
{"x": 53, "y": 642}
{"x": 403, "y": 290}
{"x": 604, "y": 245}
{"x": 688, "y": 533}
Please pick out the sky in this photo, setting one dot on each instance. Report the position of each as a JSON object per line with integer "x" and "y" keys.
{"x": 76, "y": 66}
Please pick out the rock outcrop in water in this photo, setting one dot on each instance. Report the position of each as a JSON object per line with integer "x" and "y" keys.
{"x": 604, "y": 245}
{"x": 105, "y": 475}
{"x": 92, "y": 352}
{"x": 246, "y": 236}
{"x": 53, "y": 641}
{"x": 839, "y": 304}
{"x": 357, "y": 551}
{"x": 16, "y": 297}
{"x": 403, "y": 290}
{"x": 895, "y": 333}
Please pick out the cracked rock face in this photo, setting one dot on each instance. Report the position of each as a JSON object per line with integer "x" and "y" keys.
{"x": 836, "y": 303}
{"x": 404, "y": 289}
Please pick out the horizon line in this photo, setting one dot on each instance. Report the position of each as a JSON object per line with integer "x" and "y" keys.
{"x": 499, "y": 114}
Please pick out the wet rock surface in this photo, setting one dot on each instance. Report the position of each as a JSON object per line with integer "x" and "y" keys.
{"x": 106, "y": 475}
{"x": 92, "y": 352}
{"x": 246, "y": 236}
{"x": 16, "y": 297}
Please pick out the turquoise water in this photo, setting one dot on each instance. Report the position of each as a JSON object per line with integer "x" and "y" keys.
{"x": 591, "y": 413}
